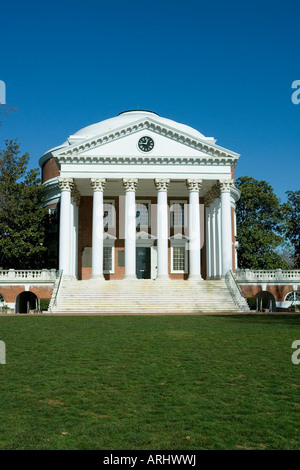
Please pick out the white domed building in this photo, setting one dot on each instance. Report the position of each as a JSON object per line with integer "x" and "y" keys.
{"x": 139, "y": 196}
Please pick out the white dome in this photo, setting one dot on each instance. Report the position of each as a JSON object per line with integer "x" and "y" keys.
{"x": 127, "y": 118}
{"x": 123, "y": 119}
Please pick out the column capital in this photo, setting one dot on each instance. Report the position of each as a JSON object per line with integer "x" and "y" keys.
{"x": 194, "y": 184}
{"x": 225, "y": 186}
{"x": 130, "y": 184}
{"x": 98, "y": 184}
{"x": 162, "y": 184}
{"x": 65, "y": 184}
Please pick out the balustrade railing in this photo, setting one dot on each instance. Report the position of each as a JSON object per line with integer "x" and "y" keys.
{"x": 12, "y": 275}
{"x": 271, "y": 275}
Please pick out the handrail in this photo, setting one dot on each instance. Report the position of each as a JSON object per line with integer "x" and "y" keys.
{"x": 57, "y": 285}
{"x": 236, "y": 292}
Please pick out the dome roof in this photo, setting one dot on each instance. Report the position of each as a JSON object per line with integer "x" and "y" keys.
{"x": 129, "y": 117}
{"x": 123, "y": 119}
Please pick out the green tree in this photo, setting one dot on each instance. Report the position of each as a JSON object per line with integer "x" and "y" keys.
{"x": 260, "y": 228}
{"x": 22, "y": 218}
{"x": 292, "y": 220}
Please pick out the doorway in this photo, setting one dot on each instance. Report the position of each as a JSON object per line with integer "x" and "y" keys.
{"x": 26, "y": 301}
{"x": 143, "y": 262}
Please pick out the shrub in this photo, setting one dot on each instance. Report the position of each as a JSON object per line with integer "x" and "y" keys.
{"x": 44, "y": 304}
{"x": 251, "y": 302}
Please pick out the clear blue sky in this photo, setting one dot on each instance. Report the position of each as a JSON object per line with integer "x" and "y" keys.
{"x": 223, "y": 67}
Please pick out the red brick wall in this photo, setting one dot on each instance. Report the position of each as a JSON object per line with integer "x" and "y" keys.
{"x": 279, "y": 291}
{"x": 49, "y": 170}
{"x": 10, "y": 293}
{"x": 232, "y": 172}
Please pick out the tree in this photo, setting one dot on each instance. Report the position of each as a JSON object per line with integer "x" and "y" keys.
{"x": 260, "y": 226}
{"x": 22, "y": 218}
{"x": 292, "y": 220}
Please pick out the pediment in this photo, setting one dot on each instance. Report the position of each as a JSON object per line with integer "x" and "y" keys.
{"x": 120, "y": 145}
{"x": 142, "y": 235}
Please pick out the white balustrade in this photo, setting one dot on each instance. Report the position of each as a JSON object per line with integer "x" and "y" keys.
{"x": 23, "y": 275}
{"x": 267, "y": 275}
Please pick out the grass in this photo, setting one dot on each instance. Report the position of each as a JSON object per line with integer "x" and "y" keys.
{"x": 160, "y": 383}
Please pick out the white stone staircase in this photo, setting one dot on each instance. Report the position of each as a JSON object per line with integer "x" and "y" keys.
{"x": 145, "y": 297}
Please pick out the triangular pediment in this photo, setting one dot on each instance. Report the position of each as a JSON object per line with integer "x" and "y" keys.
{"x": 121, "y": 144}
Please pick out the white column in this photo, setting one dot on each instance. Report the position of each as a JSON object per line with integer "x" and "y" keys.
{"x": 72, "y": 237}
{"x": 162, "y": 186}
{"x": 213, "y": 239}
{"x": 76, "y": 198}
{"x": 194, "y": 187}
{"x": 218, "y": 238}
{"x": 130, "y": 186}
{"x": 98, "y": 185}
{"x": 66, "y": 185}
{"x": 226, "y": 226}
{"x": 207, "y": 238}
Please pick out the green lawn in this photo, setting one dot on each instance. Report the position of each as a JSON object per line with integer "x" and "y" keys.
{"x": 206, "y": 382}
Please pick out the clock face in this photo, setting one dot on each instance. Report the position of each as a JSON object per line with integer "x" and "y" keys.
{"x": 146, "y": 144}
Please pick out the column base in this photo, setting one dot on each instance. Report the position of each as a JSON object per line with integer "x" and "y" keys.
{"x": 195, "y": 277}
{"x": 97, "y": 277}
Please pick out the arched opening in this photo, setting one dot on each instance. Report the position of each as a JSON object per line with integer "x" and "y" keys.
{"x": 2, "y": 302}
{"x": 293, "y": 298}
{"x": 265, "y": 301}
{"x": 26, "y": 301}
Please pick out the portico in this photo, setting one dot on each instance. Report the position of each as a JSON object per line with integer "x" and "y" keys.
{"x": 141, "y": 181}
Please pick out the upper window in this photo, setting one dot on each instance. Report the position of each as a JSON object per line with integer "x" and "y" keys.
{"x": 109, "y": 219}
{"x": 142, "y": 213}
{"x": 177, "y": 213}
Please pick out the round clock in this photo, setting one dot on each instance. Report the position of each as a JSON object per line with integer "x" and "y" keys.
{"x": 146, "y": 144}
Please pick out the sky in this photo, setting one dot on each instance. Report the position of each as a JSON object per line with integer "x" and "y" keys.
{"x": 223, "y": 68}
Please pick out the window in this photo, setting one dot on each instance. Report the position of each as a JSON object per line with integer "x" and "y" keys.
{"x": 177, "y": 213}
{"x": 107, "y": 259}
{"x": 109, "y": 214}
{"x": 142, "y": 213}
{"x": 108, "y": 253}
{"x": 293, "y": 296}
{"x": 179, "y": 260}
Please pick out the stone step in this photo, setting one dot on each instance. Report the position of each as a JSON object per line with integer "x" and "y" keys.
{"x": 144, "y": 296}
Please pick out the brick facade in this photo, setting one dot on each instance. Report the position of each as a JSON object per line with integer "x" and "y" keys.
{"x": 278, "y": 290}
{"x": 10, "y": 292}
{"x": 49, "y": 170}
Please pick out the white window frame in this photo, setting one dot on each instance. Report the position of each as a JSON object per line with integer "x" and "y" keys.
{"x": 178, "y": 201}
{"x": 109, "y": 243}
{"x": 292, "y": 301}
{"x": 144, "y": 201}
{"x": 113, "y": 203}
{"x": 179, "y": 243}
